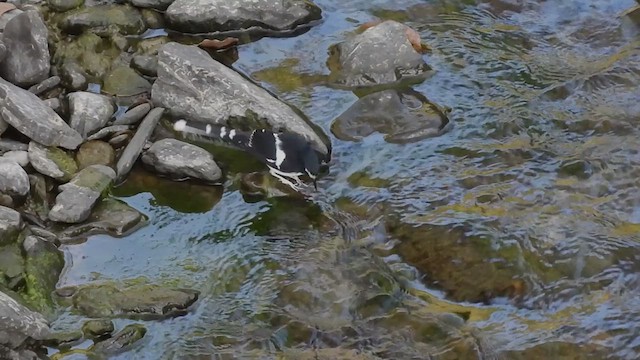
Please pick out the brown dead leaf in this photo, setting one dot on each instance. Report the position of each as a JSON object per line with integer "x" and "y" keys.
{"x": 214, "y": 44}
{"x": 6, "y": 7}
{"x": 416, "y": 42}
{"x": 369, "y": 24}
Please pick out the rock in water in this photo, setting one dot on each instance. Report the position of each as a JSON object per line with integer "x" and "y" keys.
{"x": 95, "y": 152}
{"x": 43, "y": 265}
{"x": 206, "y": 16}
{"x": 178, "y": 160}
{"x": 19, "y": 323}
{"x": 77, "y": 197}
{"x": 193, "y": 85}
{"x": 402, "y": 116}
{"x": 32, "y": 117}
{"x": 154, "y": 4}
{"x": 382, "y": 54}
{"x": 124, "y": 338}
{"x": 14, "y": 180}
{"x": 89, "y": 112}
{"x": 28, "y": 60}
{"x": 10, "y": 225}
{"x": 104, "y": 18}
{"x": 133, "y": 150}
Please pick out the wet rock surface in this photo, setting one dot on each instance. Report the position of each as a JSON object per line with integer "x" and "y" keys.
{"x": 10, "y": 224}
{"x": 187, "y": 95}
{"x": 97, "y": 328}
{"x": 206, "y": 16}
{"x": 140, "y": 301}
{"x": 19, "y": 323}
{"x": 89, "y": 112}
{"x": 402, "y": 117}
{"x": 133, "y": 150}
{"x": 382, "y": 54}
{"x": 124, "y": 81}
{"x": 43, "y": 265}
{"x": 77, "y": 197}
{"x": 180, "y": 160}
{"x": 110, "y": 216}
{"x": 123, "y": 18}
{"x": 134, "y": 115}
{"x": 95, "y": 152}
{"x": 154, "y": 4}
{"x": 121, "y": 340}
{"x": 31, "y": 116}
{"x": 28, "y": 60}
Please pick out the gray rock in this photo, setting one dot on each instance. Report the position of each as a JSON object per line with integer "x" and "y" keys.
{"x": 380, "y": 55}
{"x": 19, "y": 323}
{"x": 97, "y": 328}
{"x": 95, "y": 152}
{"x": 109, "y": 216}
{"x": 3, "y": 51}
{"x": 51, "y": 162}
{"x": 3, "y": 126}
{"x": 14, "y": 181}
{"x": 193, "y": 85}
{"x": 137, "y": 143}
{"x": 64, "y": 5}
{"x": 206, "y": 16}
{"x": 32, "y": 117}
{"x": 10, "y": 226}
{"x": 402, "y": 116}
{"x": 73, "y": 76}
{"x": 7, "y": 16}
{"x": 21, "y": 157}
{"x": 12, "y": 145}
{"x": 179, "y": 160}
{"x": 103, "y": 19}
{"x": 77, "y": 197}
{"x": 134, "y": 115}
{"x": 43, "y": 265}
{"x": 119, "y": 141}
{"x": 89, "y": 112}
{"x": 145, "y": 64}
{"x": 45, "y": 85}
{"x": 124, "y": 81}
{"x": 108, "y": 131}
{"x": 54, "y": 104}
{"x": 28, "y": 60}
{"x": 153, "y": 4}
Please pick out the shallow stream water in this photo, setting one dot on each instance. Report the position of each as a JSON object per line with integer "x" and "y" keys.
{"x": 515, "y": 235}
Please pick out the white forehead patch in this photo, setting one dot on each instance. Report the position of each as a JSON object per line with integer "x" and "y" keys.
{"x": 223, "y": 131}
{"x": 232, "y": 134}
{"x": 208, "y": 129}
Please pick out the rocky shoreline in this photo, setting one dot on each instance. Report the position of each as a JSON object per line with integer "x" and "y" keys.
{"x": 87, "y": 91}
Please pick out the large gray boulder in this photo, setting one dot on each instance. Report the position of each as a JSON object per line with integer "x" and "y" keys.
{"x": 18, "y": 323}
{"x": 28, "y": 59}
{"x": 32, "y": 117}
{"x": 89, "y": 112}
{"x": 207, "y": 16}
{"x": 14, "y": 181}
{"x": 77, "y": 197}
{"x": 193, "y": 85}
{"x": 178, "y": 159}
{"x": 382, "y": 54}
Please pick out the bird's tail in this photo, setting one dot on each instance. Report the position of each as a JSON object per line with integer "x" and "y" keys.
{"x": 200, "y": 131}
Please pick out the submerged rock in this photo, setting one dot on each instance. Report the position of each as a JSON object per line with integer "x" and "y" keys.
{"x": 28, "y": 59}
{"x": 123, "y": 339}
{"x": 179, "y": 160}
{"x": 89, "y": 112}
{"x": 382, "y": 54}
{"x": 14, "y": 181}
{"x": 32, "y": 117}
{"x": 133, "y": 150}
{"x": 10, "y": 225}
{"x": 109, "y": 216}
{"x": 124, "y": 81}
{"x": 77, "y": 198}
{"x": 19, "y": 323}
{"x": 52, "y": 161}
{"x": 73, "y": 76}
{"x": 193, "y": 85}
{"x": 43, "y": 265}
{"x": 95, "y": 152}
{"x": 104, "y": 18}
{"x": 140, "y": 301}
{"x": 402, "y": 116}
{"x": 206, "y": 16}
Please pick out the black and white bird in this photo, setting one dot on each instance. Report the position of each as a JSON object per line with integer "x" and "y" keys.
{"x": 287, "y": 155}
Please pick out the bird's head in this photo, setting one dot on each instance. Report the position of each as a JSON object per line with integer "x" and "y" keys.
{"x": 311, "y": 162}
